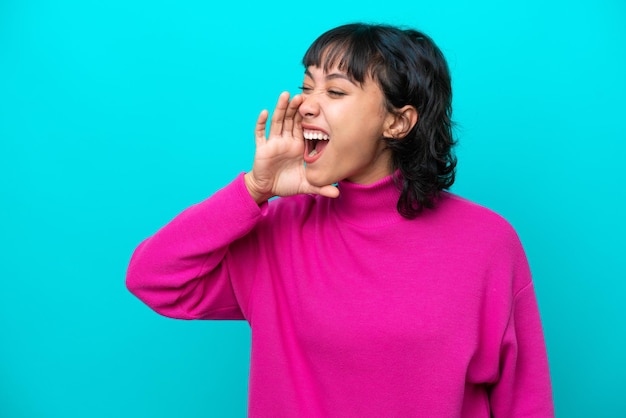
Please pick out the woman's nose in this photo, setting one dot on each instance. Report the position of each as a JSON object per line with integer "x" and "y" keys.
{"x": 310, "y": 106}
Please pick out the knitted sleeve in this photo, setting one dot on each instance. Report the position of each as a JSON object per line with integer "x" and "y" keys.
{"x": 180, "y": 271}
{"x": 523, "y": 388}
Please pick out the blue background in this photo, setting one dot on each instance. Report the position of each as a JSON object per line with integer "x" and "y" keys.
{"x": 116, "y": 115}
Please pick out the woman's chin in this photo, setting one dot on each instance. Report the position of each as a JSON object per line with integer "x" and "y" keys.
{"x": 319, "y": 179}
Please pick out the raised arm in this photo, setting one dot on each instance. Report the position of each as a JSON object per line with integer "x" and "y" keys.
{"x": 181, "y": 271}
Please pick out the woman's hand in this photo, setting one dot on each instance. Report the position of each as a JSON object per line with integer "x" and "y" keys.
{"x": 278, "y": 168}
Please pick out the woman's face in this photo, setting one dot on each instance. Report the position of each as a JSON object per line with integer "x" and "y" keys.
{"x": 343, "y": 123}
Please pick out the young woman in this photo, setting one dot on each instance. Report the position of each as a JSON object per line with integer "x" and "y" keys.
{"x": 369, "y": 289}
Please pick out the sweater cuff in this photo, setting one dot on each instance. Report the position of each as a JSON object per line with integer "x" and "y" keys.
{"x": 244, "y": 198}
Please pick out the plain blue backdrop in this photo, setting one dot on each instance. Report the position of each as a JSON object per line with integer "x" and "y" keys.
{"x": 116, "y": 115}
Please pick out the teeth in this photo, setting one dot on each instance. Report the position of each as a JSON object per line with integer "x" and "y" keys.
{"x": 320, "y": 136}
{"x": 313, "y": 153}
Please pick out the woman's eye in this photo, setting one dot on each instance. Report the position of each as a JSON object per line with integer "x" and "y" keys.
{"x": 336, "y": 93}
{"x": 305, "y": 89}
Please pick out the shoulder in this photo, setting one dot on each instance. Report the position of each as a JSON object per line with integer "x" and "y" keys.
{"x": 476, "y": 222}
{"x": 491, "y": 240}
{"x": 460, "y": 209}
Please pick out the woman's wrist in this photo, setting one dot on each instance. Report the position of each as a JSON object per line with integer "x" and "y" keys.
{"x": 259, "y": 197}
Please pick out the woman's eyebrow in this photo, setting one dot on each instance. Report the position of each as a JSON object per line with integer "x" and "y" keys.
{"x": 339, "y": 75}
{"x": 332, "y": 76}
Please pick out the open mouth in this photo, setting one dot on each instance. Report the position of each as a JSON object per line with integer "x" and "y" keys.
{"x": 315, "y": 142}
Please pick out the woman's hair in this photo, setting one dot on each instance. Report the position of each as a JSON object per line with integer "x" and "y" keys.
{"x": 411, "y": 70}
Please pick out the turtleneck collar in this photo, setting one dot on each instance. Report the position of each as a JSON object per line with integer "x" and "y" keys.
{"x": 368, "y": 205}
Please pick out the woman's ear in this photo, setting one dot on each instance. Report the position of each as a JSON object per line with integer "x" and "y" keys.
{"x": 402, "y": 121}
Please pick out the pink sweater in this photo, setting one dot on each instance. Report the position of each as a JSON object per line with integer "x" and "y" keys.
{"x": 354, "y": 310}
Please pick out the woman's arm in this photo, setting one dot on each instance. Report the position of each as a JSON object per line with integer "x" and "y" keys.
{"x": 524, "y": 388}
{"x": 180, "y": 271}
